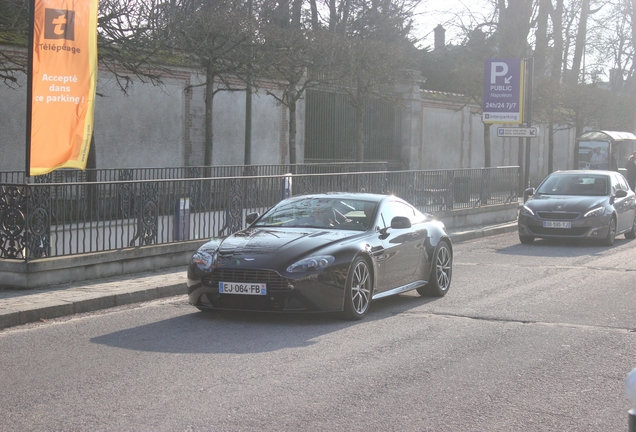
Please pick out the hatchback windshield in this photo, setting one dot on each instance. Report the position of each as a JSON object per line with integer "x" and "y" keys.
{"x": 575, "y": 184}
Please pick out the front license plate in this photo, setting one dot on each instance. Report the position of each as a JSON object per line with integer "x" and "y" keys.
{"x": 554, "y": 224}
{"x": 242, "y": 288}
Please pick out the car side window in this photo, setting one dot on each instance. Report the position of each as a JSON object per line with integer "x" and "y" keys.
{"x": 393, "y": 209}
{"x": 614, "y": 184}
{"x": 622, "y": 183}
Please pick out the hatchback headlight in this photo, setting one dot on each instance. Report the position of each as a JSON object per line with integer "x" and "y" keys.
{"x": 599, "y": 211}
{"x": 525, "y": 210}
{"x": 311, "y": 263}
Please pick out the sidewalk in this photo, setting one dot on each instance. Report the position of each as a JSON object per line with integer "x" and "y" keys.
{"x": 18, "y": 307}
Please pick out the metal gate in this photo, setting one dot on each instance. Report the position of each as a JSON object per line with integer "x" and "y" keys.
{"x": 330, "y": 129}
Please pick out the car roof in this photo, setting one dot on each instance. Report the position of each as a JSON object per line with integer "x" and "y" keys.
{"x": 585, "y": 172}
{"x": 346, "y": 195}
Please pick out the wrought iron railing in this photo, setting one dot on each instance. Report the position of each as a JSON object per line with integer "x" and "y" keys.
{"x": 39, "y": 220}
{"x": 125, "y": 174}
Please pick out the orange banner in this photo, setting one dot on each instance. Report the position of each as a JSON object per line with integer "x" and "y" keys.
{"x": 63, "y": 80}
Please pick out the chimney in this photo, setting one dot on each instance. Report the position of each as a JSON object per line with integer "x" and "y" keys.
{"x": 440, "y": 38}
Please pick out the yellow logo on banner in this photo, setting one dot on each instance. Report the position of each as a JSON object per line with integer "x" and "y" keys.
{"x": 63, "y": 82}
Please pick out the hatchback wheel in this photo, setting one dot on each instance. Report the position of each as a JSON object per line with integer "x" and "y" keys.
{"x": 358, "y": 290}
{"x": 631, "y": 234}
{"x": 611, "y": 233}
{"x": 441, "y": 272}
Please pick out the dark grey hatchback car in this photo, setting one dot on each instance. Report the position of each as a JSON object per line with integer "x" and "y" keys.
{"x": 579, "y": 204}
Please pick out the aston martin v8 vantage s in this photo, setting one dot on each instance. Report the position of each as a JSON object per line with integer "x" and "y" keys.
{"x": 579, "y": 204}
{"x": 332, "y": 252}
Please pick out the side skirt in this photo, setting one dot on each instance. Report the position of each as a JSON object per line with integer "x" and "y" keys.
{"x": 398, "y": 290}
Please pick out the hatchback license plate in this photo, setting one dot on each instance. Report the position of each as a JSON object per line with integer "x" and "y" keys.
{"x": 554, "y": 224}
{"x": 242, "y": 288}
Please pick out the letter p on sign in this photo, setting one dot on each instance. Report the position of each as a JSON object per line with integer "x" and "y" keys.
{"x": 497, "y": 69}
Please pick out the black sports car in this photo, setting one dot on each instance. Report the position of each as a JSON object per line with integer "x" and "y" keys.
{"x": 579, "y": 204}
{"x": 323, "y": 253}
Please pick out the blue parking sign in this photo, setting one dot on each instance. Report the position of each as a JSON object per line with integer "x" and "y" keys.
{"x": 503, "y": 91}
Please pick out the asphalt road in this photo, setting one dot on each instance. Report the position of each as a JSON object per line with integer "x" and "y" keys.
{"x": 530, "y": 338}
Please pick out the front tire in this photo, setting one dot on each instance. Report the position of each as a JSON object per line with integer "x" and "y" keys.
{"x": 631, "y": 234}
{"x": 611, "y": 233}
{"x": 441, "y": 272}
{"x": 358, "y": 290}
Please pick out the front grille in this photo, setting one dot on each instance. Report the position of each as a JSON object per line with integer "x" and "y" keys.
{"x": 273, "y": 280}
{"x": 558, "y": 216}
{"x": 562, "y": 232}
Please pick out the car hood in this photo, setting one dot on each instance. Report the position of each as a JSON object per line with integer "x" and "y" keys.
{"x": 270, "y": 240}
{"x": 565, "y": 203}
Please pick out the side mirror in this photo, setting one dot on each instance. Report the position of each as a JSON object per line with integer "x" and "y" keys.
{"x": 528, "y": 193}
{"x": 251, "y": 217}
{"x": 621, "y": 193}
{"x": 400, "y": 222}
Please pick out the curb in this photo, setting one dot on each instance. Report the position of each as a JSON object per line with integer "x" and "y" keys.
{"x": 461, "y": 236}
{"x": 39, "y": 306}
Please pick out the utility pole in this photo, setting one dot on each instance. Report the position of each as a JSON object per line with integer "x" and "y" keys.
{"x": 528, "y": 92}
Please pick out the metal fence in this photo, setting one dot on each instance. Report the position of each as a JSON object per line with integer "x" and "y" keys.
{"x": 125, "y": 174}
{"x": 39, "y": 220}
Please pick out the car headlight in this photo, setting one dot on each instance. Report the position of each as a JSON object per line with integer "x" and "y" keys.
{"x": 599, "y": 211}
{"x": 311, "y": 263}
{"x": 525, "y": 210}
{"x": 203, "y": 260}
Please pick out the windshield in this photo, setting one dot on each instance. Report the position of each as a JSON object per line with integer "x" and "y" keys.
{"x": 311, "y": 212}
{"x": 575, "y": 184}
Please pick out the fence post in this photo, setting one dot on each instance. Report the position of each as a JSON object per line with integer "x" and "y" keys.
{"x": 286, "y": 186}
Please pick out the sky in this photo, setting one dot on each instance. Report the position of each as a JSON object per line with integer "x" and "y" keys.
{"x": 451, "y": 14}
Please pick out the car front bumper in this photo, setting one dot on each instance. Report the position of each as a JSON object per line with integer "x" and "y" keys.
{"x": 318, "y": 292}
{"x": 595, "y": 227}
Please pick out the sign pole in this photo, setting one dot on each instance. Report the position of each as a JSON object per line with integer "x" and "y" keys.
{"x": 29, "y": 100}
{"x": 529, "y": 63}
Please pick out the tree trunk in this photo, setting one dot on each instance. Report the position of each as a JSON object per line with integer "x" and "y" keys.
{"x": 557, "y": 31}
{"x": 579, "y": 44}
{"x": 209, "y": 100}
{"x": 314, "y": 14}
{"x": 292, "y": 129}
{"x": 541, "y": 50}
{"x": 360, "y": 134}
{"x": 550, "y": 146}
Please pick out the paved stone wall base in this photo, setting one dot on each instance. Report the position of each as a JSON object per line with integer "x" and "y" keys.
{"x": 46, "y": 272}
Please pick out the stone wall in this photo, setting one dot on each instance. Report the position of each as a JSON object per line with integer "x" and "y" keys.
{"x": 160, "y": 126}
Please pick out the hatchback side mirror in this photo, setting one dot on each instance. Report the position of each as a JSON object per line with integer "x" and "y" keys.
{"x": 528, "y": 193}
{"x": 621, "y": 193}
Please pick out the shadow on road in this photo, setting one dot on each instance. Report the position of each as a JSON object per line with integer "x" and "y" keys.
{"x": 563, "y": 248}
{"x": 248, "y": 332}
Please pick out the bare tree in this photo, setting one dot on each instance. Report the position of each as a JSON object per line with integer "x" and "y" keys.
{"x": 374, "y": 52}
{"x": 13, "y": 32}
{"x": 213, "y": 35}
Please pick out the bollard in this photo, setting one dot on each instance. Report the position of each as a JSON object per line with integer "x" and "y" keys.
{"x": 630, "y": 390}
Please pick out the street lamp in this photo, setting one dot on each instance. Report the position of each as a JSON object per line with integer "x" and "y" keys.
{"x": 630, "y": 390}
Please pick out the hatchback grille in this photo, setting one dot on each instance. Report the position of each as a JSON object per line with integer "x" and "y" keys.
{"x": 558, "y": 216}
{"x": 273, "y": 280}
